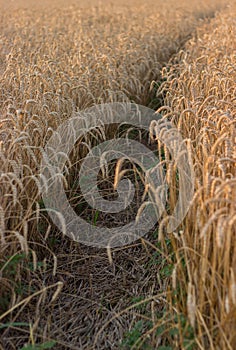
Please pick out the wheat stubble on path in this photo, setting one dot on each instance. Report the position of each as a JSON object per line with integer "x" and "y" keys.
{"x": 59, "y": 58}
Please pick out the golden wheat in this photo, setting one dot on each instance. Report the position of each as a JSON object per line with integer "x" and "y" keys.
{"x": 200, "y": 90}
{"x": 58, "y": 59}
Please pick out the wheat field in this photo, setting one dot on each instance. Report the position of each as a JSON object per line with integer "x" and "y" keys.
{"x": 167, "y": 290}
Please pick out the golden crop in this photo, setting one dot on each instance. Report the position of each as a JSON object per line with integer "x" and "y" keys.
{"x": 200, "y": 95}
{"x": 59, "y": 58}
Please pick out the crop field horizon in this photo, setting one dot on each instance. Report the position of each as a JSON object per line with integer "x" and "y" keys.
{"x": 147, "y": 93}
